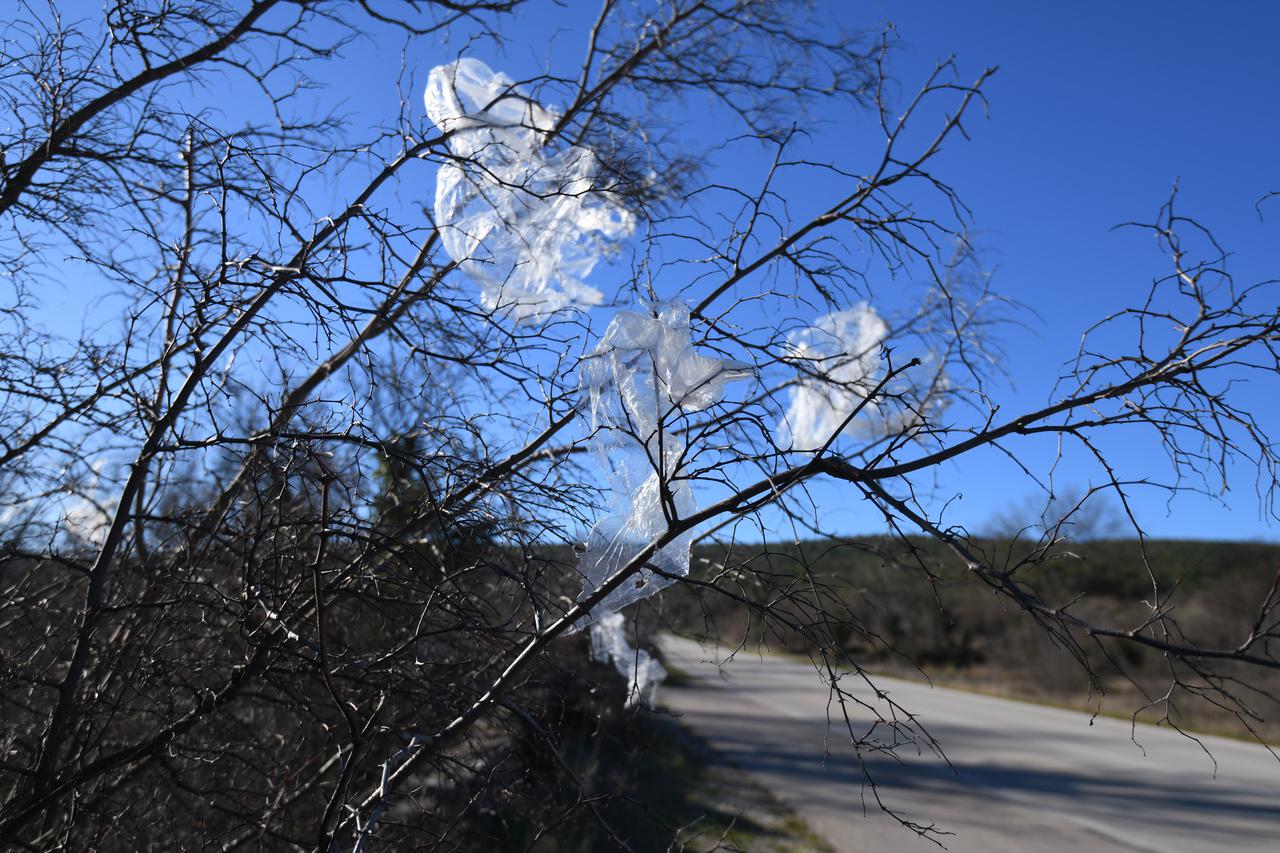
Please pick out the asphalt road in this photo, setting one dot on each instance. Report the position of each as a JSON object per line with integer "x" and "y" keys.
{"x": 1023, "y": 777}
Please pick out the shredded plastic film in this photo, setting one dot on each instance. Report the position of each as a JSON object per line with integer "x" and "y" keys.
{"x": 526, "y": 223}
{"x": 642, "y": 377}
{"x": 840, "y": 357}
{"x": 641, "y": 670}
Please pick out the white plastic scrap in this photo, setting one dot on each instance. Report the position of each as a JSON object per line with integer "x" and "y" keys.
{"x": 840, "y": 353}
{"x": 644, "y": 374}
{"x": 641, "y": 670}
{"x": 526, "y": 223}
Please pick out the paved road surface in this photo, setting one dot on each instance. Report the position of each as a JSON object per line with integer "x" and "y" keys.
{"x": 1025, "y": 778}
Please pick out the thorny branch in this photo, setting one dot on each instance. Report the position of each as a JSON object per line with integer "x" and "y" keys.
{"x": 291, "y": 545}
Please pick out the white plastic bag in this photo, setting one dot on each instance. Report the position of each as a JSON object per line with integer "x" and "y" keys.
{"x": 640, "y": 381}
{"x": 526, "y": 223}
{"x": 641, "y": 670}
{"x": 839, "y": 356}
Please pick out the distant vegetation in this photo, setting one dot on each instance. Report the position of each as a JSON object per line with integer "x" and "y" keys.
{"x": 910, "y": 607}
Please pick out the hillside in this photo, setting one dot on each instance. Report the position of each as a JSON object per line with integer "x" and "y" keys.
{"x": 909, "y": 607}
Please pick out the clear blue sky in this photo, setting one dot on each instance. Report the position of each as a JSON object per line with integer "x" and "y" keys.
{"x": 1097, "y": 109}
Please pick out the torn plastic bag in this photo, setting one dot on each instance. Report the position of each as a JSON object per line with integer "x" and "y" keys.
{"x": 639, "y": 383}
{"x": 641, "y": 670}
{"x": 841, "y": 362}
{"x": 524, "y": 222}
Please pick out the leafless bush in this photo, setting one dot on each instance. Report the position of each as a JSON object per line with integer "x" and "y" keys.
{"x": 288, "y": 524}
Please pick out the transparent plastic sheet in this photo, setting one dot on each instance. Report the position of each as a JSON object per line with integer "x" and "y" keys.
{"x": 840, "y": 357}
{"x": 644, "y": 374}
{"x": 640, "y": 669}
{"x": 526, "y": 223}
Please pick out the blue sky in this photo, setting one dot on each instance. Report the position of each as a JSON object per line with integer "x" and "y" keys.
{"x": 1096, "y": 111}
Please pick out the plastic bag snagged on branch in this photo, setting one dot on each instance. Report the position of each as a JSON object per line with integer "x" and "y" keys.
{"x": 642, "y": 377}
{"x": 641, "y": 670}
{"x": 527, "y": 224}
{"x": 840, "y": 354}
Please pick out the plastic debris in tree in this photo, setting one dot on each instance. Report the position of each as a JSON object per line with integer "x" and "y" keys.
{"x": 524, "y": 222}
{"x": 644, "y": 375}
{"x": 841, "y": 362}
{"x": 640, "y": 669}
